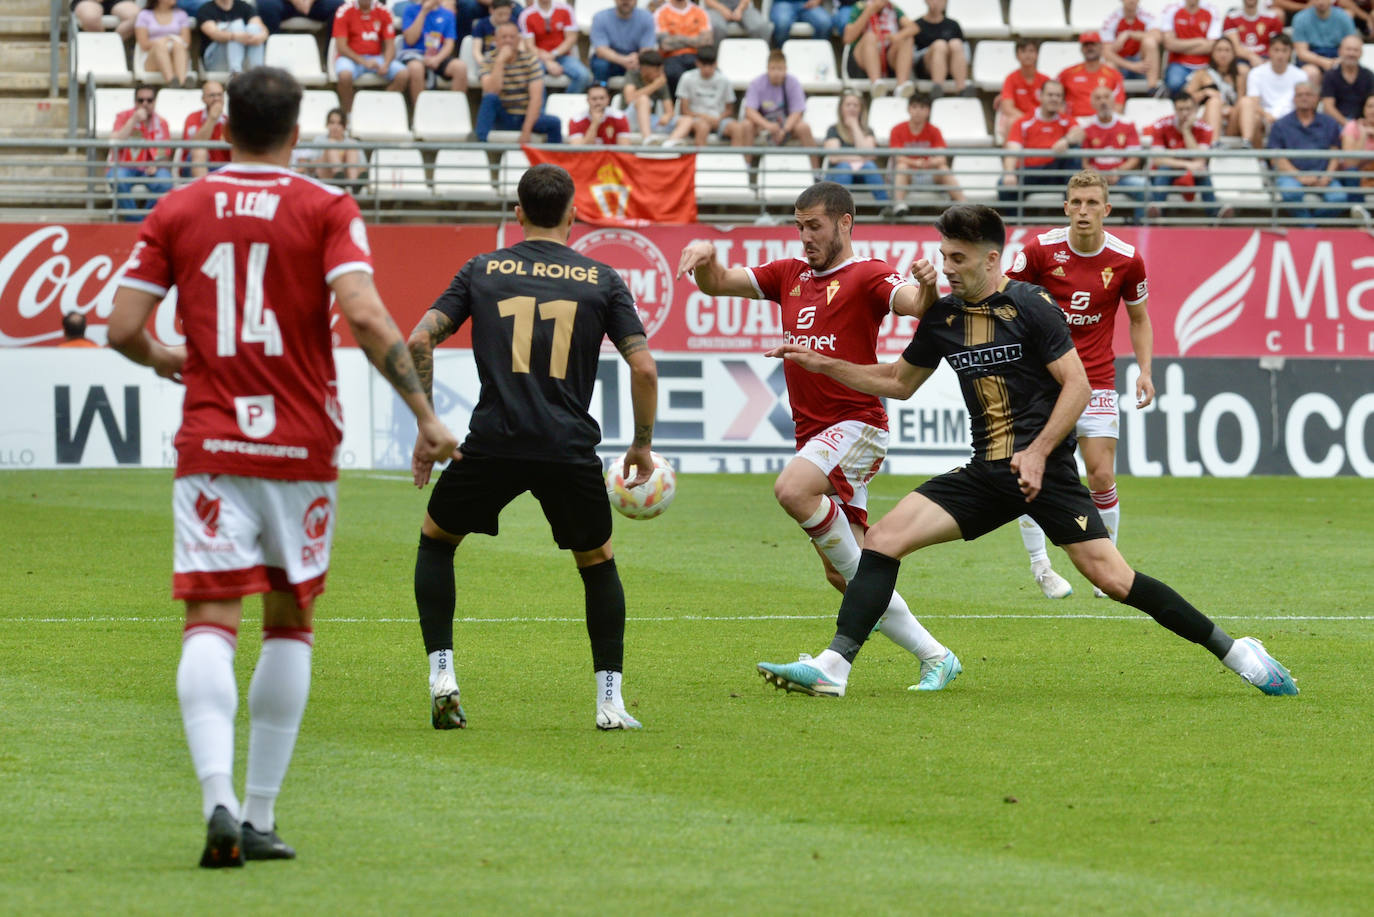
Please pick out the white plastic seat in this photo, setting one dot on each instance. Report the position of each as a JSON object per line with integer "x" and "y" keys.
{"x": 1142, "y": 112}
{"x": 992, "y": 61}
{"x": 1367, "y": 56}
{"x": 297, "y": 54}
{"x": 463, "y": 175}
{"x": 105, "y": 104}
{"x": 1056, "y": 56}
{"x": 1239, "y": 181}
{"x": 885, "y": 113}
{"x": 101, "y": 54}
{"x": 1038, "y": 19}
{"x": 812, "y": 60}
{"x": 398, "y": 174}
{"x": 742, "y": 59}
{"x": 315, "y": 107}
{"x": 565, "y": 106}
{"x": 584, "y": 10}
{"x": 379, "y": 116}
{"x": 724, "y": 178}
{"x": 978, "y": 176}
{"x": 303, "y": 24}
{"x": 1089, "y": 15}
{"x": 513, "y": 165}
{"x": 821, "y": 113}
{"x": 441, "y": 115}
{"x": 961, "y": 121}
{"x": 783, "y": 176}
{"x": 978, "y": 18}
{"x": 175, "y": 105}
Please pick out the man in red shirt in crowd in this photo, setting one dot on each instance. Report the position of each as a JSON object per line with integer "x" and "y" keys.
{"x": 1190, "y": 28}
{"x": 365, "y": 40}
{"x": 207, "y": 124}
{"x": 255, "y": 251}
{"x": 919, "y": 134}
{"x": 1020, "y": 94}
{"x": 146, "y": 166}
{"x": 1186, "y": 132}
{"x": 551, "y": 26}
{"x": 1131, "y": 42}
{"x": 1250, "y": 30}
{"x": 1049, "y": 129}
{"x": 1117, "y": 145}
{"x": 1080, "y": 80}
{"x": 599, "y": 123}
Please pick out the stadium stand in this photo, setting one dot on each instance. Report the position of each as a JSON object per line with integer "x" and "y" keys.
{"x": 724, "y": 178}
{"x": 299, "y": 55}
{"x": 812, "y": 60}
{"x": 398, "y": 174}
{"x": 442, "y": 116}
{"x": 979, "y": 18}
{"x": 463, "y": 175}
{"x": 1038, "y": 19}
{"x": 379, "y": 116}
{"x": 742, "y": 59}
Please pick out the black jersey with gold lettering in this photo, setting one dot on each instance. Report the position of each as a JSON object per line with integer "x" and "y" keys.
{"x": 539, "y": 312}
{"x": 1000, "y": 348}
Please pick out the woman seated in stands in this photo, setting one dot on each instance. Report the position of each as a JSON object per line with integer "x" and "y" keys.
{"x": 164, "y": 32}
{"x": 332, "y": 162}
{"x": 1218, "y": 88}
{"x": 1358, "y": 137}
{"x": 851, "y": 132}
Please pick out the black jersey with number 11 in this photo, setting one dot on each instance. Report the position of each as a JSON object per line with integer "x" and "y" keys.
{"x": 539, "y": 312}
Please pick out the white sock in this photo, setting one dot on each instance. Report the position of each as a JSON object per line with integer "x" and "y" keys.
{"x": 1109, "y": 508}
{"x": 1033, "y": 537}
{"x": 209, "y": 698}
{"x": 829, "y": 531}
{"x": 441, "y": 661}
{"x": 901, "y": 627}
{"x": 833, "y": 665}
{"x": 276, "y": 703}
{"x": 608, "y": 690}
{"x": 1244, "y": 661}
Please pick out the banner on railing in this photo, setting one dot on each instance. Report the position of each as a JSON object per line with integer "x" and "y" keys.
{"x": 622, "y": 189}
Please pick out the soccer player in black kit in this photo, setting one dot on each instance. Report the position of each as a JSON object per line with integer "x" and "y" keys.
{"x": 1024, "y": 387}
{"x": 539, "y": 311}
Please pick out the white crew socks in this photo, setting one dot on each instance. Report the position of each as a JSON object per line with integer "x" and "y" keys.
{"x": 441, "y": 661}
{"x": 1033, "y": 537}
{"x": 835, "y": 666}
{"x": 1109, "y": 508}
{"x": 900, "y": 626}
{"x": 1244, "y": 661}
{"x": 828, "y": 528}
{"x": 608, "y": 690}
{"x": 276, "y": 703}
{"x": 209, "y": 698}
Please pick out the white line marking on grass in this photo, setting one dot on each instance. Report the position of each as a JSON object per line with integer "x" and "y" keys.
{"x": 152, "y": 619}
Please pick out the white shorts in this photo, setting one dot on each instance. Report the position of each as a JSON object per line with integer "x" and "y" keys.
{"x": 1100, "y": 417}
{"x": 849, "y": 454}
{"x": 238, "y": 536}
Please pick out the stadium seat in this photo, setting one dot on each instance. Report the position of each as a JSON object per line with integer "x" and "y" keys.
{"x": 961, "y": 121}
{"x": 1089, "y": 15}
{"x": 979, "y": 18}
{"x": 782, "y": 176}
{"x": 398, "y": 174}
{"x": 468, "y": 54}
{"x": 1142, "y": 112}
{"x": 565, "y": 106}
{"x": 302, "y": 24}
{"x": 1038, "y": 19}
{"x": 1056, "y": 56}
{"x": 584, "y": 10}
{"x": 175, "y": 105}
{"x": 379, "y": 116}
{"x": 723, "y": 178}
{"x": 105, "y": 104}
{"x": 978, "y": 176}
{"x": 821, "y": 113}
{"x": 331, "y": 54}
{"x": 885, "y": 113}
{"x": 513, "y": 165}
{"x": 742, "y": 59}
{"x": 101, "y": 54}
{"x": 812, "y": 60}
{"x": 463, "y": 175}
{"x": 1367, "y": 56}
{"x": 441, "y": 115}
{"x": 299, "y": 55}
{"x": 992, "y": 61}
{"x": 1239, "y": 181}
{"x": 315, "y": 107}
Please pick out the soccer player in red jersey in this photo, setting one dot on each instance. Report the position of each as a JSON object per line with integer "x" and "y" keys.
{"x": 834, "y": 303}
{"x": 1090, "y": 273}
{"x": 254, "y": 251}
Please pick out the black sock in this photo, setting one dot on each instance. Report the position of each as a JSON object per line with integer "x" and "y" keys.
{"x": 865, "y": 600}
{"x": 435, "y": 597}
{"x": 605, "y": 615}
{"x": 1173, "y": 611}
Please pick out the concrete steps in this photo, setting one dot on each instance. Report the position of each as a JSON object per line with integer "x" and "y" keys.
{"x": 33, "y": 117}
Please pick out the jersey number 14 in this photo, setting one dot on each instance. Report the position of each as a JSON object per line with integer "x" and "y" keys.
{"x": 259, "y": 324}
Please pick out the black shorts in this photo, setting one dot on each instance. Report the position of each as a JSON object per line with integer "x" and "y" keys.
{"x": 982, "y": 496}
{"x": 470, "y": 494}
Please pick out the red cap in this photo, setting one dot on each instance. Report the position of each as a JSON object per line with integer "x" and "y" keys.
{"x": 1090, "y": 38}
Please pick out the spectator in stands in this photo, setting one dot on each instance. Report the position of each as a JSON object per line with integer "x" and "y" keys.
{"x": 1219, "y": 87}
{"x": 881, "y": 41}
{"x": 74, "y": 331}
{"x": 1020, "y": 95}
{"x": 1190, "y": 28}
{"x": 163, "y": 32}
{"x": 1080, "y": 80}
{"x": 1305, "y": 128}
{"x": 1115, "y": 143}
{"x": 146, "y": 166}
{"x": 1251, "y": 29}
{"x": 275, "y": 12}
{"x": 683, "y": 30}
{"x": 785, "y": 13}
{"x": 89, "y": 15}
{"x": 924, "y": 168}
{"x": 513, "y": 91}
{"x": 551, "y": 27}
{"x": 851, "y": 132}
{"x": 940, "y": 51}
{"x": 1317, "y": 34}
{"x": 232, "y": 35}
{"x": 1345, "y": 86}
{"x": 1358, "y": 136}
{"x": 484, "y": 29}
{"x": 706, "y": 104}
{"x": 207, "y": 124}
{"x": 600, "y": 123}
{"x": 333, "y": 162}
{"x": 1131, "y": 42}
{"x": 428, "y": 36}
{"x": 775, "y": 108}
{"x": 366, "y": 43}
{"x": 1049, "y": 129}
{"x": 723, "y": 12}
{"x": 1186, "y": 133}
{"x": 646, "y": 92}
{"x": 1269, "y": 91}
{"x": 618, "y": 37}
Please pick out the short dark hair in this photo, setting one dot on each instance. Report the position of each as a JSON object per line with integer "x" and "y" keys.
{"x": 139, "y": 87}
{"x": 776, "y": 56}
{"x": 602, "y": 86}
{"x": 972, "y": 223}
{"x": 264, "y": 104}
{"x": 496, "y": 3}
{"x": 545, "y": 191}
{"x": 1281, "y": 38}
{"x": 343, "y": 115}
{"x": 1020, "y": 42}
{"x": 1182, "y": 96}
{"x": 834, "y": 197}
{"x": 74, "y": 325}
{"x": 647, "y": 58}
{"x": 706, "y": 54}
{"x": 918, "y": 98}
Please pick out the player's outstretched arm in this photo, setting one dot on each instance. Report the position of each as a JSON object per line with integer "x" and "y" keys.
{"x": 1074, "y": 392}
{"x": 129, "y": 335}
{"x": 916, "y": 300}
{"x": 712, "y": 277}
{"x": 898, "y": 379}
{"x": 644, "y": 402}
{"x": 1143, "y": 343}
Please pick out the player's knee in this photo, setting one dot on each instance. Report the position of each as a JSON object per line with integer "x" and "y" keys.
{"x": 1100, "y": 481}
{"x": 798, "y": 501}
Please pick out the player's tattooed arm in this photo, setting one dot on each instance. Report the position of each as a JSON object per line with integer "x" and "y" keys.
{"x": 643, "y": 387}
{"x": 633, "y": 343}
{"x": 434, "y": 328}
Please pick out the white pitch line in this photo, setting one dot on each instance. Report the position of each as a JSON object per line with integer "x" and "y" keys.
{"x": 96, "y": 619}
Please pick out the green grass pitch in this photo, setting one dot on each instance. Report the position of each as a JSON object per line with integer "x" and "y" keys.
{"x": 1086, "y": 762}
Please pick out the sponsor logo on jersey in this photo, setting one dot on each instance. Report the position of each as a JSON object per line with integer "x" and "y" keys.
{"x": 985, "y": 356}
{"x": 1006, "y": 312}
{"x": 1142, "y": 289}
{"x": 207, "y": 511}
{"x": 1082, "y": 522}
{"x": 805, "y": 275}
{"x": 1058, "y": 272}
{"x": 257, "y": 415}
{"x": 796, "y": 291}
{"x": 806, "y": 317}
{"x": 1106, "y": 277}
{"x": 1061, "y": 256}
{"x": 315, "y": 524}
{"x": 1080, "y": 318}
{"x": 831, "y": 289}
{"x": 812, "y": 341}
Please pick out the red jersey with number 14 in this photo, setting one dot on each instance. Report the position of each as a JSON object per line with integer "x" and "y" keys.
{"x": 836, "y": 313}
{"x": 1089, "y": 288}
{"x": 251, "y": 251}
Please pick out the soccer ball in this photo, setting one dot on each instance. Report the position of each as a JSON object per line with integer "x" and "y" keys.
{"x": 647, "y": 500}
